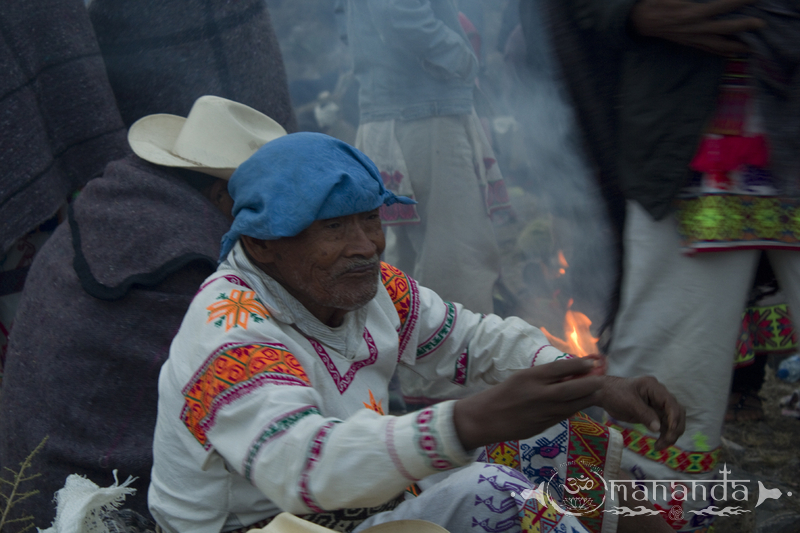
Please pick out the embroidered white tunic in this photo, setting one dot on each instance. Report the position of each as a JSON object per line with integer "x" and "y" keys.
{"x": 262, "y": 408}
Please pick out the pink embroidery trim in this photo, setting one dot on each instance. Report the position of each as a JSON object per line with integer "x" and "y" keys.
{"x": 427, "y": 442}
{"x": 313, "y": 456}
{"x": 460, "y": 377}
{"x": 393, "y": 451}
{"x": 537, "y": 354}
{"x": 413, "y": 315}
{"x": 236, "y": 280}
{"x": 342, "y": 383}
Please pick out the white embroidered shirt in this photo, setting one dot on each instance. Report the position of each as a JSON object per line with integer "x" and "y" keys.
{"x": 263, "y": 408}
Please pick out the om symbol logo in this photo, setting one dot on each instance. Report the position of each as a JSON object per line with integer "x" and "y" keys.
{"x": 676, "y": 513}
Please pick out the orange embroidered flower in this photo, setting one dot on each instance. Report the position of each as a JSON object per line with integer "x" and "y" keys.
{"x": 236, "y": 309}
{"x": 373, "y": 406}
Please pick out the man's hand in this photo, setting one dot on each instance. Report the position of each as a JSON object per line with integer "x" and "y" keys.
{"x": 644, "y": 401}
{"x": 694, "y": 24}
{"x": 527, "y": 403}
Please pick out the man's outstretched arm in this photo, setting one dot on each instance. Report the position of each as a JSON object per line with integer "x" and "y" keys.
{"x": 537, "y": 398}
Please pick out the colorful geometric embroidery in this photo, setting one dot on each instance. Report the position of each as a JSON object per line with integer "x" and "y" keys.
{"x": 312, "y": 457}
{"x": 405, "y": 296}
{"x": 765, "y": 330}
{"x": 373, "y": 405}
{"x": 462, "y": 367}
{"x": 236, "y": 309}
{"x": 537, "y": 518}
{"x": 441, "y": 334}
{"x": 274, "y": 429}
{"x": 230, "y": 373}
{"x": 397, "y": 286}
{"x": 711, "y": 222}
{"x": 675, "y": 458}
{"x": 504, "y": 453}
{"x": 397, "y": 213}
{"x": 342, "y": 383}
{"x": 550, "y": 449}
{"x": 427, "y": 440}
{"x": 588, "y": 442}
{"x": 785, "y": 338}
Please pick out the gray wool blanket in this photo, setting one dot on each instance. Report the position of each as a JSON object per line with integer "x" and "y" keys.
{"x": 103, "y": 300}
{"x": 161, "y": 55}
{"x": 59, "y": 123}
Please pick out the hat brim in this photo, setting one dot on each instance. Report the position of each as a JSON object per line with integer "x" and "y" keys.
{"x": 152, "y": 137}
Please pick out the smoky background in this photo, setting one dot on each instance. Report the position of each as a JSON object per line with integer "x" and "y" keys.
{"x": 559, "y": 246}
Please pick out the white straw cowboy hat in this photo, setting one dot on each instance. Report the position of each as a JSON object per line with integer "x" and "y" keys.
{"x": 216, "y": 137}
{"x": 289, "y": 523}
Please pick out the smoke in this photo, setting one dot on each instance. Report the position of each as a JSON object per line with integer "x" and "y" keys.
{"x": 534, "y": 133}
{"x": 539, "y": 149}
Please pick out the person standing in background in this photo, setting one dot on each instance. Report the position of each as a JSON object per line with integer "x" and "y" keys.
{"x": 687, "y": 106}
{"x": 416, "y": 71}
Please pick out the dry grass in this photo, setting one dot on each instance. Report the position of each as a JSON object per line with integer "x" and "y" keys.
{"x": 770, "y": 453}
{"x": 11, "y": 483}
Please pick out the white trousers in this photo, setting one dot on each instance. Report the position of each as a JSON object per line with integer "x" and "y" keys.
{"x": 478, "y": 498}
{"x": 678, "y": 321}
{"x": 453, "y": 250}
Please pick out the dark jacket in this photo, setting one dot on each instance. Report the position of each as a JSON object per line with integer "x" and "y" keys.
{"x": 104, "y": 297}
{"x": 664, "y": 95}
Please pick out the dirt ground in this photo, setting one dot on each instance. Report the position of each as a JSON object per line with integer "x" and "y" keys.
{"x": 766, "y": 451}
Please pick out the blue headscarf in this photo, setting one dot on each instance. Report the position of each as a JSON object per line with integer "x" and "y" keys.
{"x": 299, "y": 178}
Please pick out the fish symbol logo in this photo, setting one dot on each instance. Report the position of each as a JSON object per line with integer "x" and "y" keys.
{"x": 767, "y": 494}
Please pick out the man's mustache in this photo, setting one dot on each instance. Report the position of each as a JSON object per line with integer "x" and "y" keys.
{"x": 357, "y": 264}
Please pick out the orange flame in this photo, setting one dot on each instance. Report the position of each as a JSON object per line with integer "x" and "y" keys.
{"x": 576, "y": 327}
{"x": 562, "y": 262}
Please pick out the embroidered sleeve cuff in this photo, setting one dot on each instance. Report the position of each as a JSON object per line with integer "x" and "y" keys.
{"x": 425, "y": 442}
{"x": 548, "y": 354}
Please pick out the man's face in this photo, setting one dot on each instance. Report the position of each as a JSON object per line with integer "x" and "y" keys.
{"x": 331, "y": 267}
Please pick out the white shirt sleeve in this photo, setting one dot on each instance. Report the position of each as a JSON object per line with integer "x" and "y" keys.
{"x": 459, "y": 352}
{"x": 277, "y": 438}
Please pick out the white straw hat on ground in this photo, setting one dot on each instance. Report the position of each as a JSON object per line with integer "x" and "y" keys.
{"x": 289, "y": 523}
{"x": 216, "y": 137}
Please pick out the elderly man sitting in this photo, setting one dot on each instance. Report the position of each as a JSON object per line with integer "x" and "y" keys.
{"x": 273, "y": 394}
